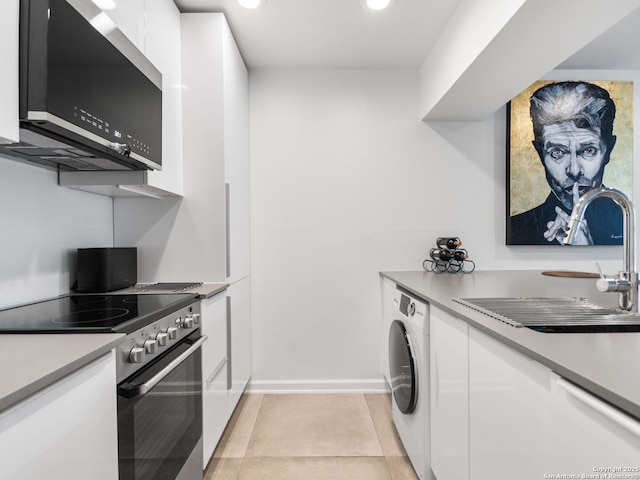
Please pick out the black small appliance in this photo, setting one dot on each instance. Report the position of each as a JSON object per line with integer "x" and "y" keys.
{"x": 106, "y": 269}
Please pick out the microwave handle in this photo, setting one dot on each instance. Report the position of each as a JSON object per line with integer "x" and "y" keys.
{"x": 139, "y": 390}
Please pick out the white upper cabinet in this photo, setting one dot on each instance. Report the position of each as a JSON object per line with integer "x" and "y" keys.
{"x": 154, "y": 27}
{"x": 128, "y": 15}
{"x": 202, "y": 236}
{"x": 162, "y": 47}
{"x": 9, "y": 16}
{"x": 236, "y": 149}
{"x": 216, "y": 137}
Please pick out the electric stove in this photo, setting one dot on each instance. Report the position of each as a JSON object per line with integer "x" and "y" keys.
{"x": 100, "y": 313}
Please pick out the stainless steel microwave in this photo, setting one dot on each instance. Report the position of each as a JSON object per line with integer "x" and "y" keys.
{"x": 89, "y": 99}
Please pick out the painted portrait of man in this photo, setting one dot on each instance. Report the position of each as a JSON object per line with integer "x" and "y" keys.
{"x": 575, "y": 133}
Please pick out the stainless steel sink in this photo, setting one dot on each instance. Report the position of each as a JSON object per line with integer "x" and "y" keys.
{"x": 555, "y": 314}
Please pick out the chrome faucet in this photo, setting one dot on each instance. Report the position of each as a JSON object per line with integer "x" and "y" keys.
{"x": 626, "y": 283}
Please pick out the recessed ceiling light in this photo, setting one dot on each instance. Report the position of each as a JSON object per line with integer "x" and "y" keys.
{"x": 377, "y": 4}
{"x": 252, "y": 3}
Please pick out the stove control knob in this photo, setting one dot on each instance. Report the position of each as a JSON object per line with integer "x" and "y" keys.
{"x": 188, "y": 322}
{"x": 151, "y": 346}
{"x": 196, "y": 318}
{"x": 172, "y": 332}
{"x": 136, "y": 354}
{"x": 161, "y": 338}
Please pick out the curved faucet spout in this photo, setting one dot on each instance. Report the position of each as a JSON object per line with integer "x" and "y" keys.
{"x": 627, "y": 281}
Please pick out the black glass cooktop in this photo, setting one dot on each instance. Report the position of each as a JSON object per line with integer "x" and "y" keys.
{"x": 92, "y": 313}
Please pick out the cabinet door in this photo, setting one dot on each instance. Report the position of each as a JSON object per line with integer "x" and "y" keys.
{"x": 162, "y": 46}
{"x": 449, "y": 368}
{"x": 239, "y": 295}
{"x": 236, "y": 155}
{"x": 9, "y": 15}
{"x": 68, "y": 431}
{"x": 509, "y": 412}
{"x": 589, "y": 435}
{"x": 214, "y": 372}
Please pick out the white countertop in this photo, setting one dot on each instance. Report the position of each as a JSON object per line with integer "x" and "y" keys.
{"x": 606, "y": 364}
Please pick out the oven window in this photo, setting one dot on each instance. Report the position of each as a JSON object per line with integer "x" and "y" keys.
{"x": 159, "y": 430}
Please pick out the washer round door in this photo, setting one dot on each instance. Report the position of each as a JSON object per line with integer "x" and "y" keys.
{"x": 402, "y": 367}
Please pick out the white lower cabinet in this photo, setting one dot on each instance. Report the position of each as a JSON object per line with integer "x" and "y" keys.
{"x": 226, "y": 358}
{"x": 518, "y": 419}
{"x": 509, "y": 412}
{"x": 67, "y": 431}
{"x": 214, "y": 372}
{"x": 239, "y": 295}
{"x": 590, "y": 438}
{"x": 449, "y": 369}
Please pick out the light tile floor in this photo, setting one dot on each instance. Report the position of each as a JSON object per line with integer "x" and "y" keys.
{"x": 311, "y": 437}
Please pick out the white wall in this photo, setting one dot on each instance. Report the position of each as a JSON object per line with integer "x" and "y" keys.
{"x": 42, "y": 225}
{"x": 346, "y": 182}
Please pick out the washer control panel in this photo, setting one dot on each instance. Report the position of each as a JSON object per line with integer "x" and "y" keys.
{"x": 408, "y": 305}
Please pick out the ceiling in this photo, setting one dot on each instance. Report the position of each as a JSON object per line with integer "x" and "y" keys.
{"x": 343, "y": 34}
{"x": 615, "y": 49}
{"x": 332, "y": 33}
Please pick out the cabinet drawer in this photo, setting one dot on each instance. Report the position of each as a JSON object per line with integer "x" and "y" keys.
{"x": 214, "y": 408}
{"x": 589, "y": 434}
{"x": 214, "y": 326}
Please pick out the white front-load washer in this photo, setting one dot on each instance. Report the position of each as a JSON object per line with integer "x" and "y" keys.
{"x": 409, "y": 378}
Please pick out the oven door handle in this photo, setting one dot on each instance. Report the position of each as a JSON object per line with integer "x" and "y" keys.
{"x": 139, "y": 390}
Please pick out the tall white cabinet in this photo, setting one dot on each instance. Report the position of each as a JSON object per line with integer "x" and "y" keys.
{"x": 216, "y": 153}
{"x": 204, "y": 236}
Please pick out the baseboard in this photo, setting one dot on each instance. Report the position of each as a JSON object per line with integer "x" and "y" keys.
{"x": 357, "y": 385}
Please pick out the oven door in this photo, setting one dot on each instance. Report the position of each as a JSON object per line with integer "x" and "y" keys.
{"x": 160, "y": 417}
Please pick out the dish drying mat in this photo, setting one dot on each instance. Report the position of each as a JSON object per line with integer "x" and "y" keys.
{"x": 174, "y": 287}
{"x": 532, "y": 312}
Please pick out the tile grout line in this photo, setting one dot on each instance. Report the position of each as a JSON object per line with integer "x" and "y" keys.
{"x": 375, "y": 426}
{"x": 253, "y": 426}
